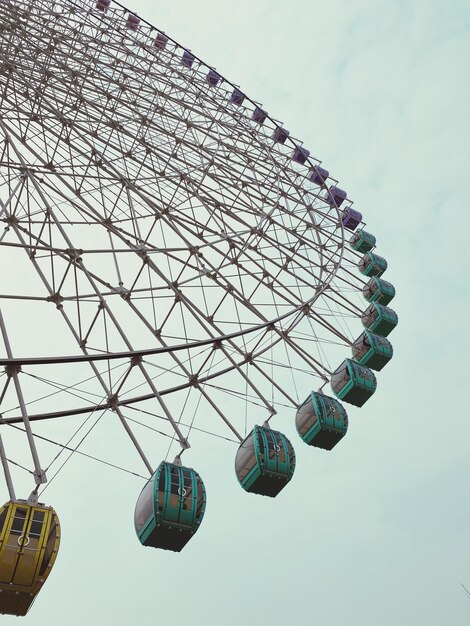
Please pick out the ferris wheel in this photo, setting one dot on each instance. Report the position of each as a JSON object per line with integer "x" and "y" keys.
{"x": 179, "y": 265}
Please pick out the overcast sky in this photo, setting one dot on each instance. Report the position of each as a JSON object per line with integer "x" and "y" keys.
{"x": 379, "y": 533}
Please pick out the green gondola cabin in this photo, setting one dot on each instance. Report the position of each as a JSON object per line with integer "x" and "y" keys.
{"x": 321, "y": 421}
{"x": 378, "y": 290}
{"x": 170, "y": 507}
{"x": 361, "y": 241}
{"x": 353, "y": 383}
{"x": 372, "y": 265}
{"x": 265, "y": 462}
{"x": 372, "y": 350}
{"x": 379, "y": 319}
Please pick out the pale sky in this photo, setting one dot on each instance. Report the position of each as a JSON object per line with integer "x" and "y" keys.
{"x": 378, "y": 533}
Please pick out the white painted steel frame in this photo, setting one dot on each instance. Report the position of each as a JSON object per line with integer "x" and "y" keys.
{"x": 194, "y": 213}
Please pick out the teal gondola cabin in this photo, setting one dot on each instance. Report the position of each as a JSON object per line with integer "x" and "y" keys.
{"x": 170, "y": 507}
{"x": 361, "y": 241}
{"x": 265, "y": 462}
{"x": 321, "y": 421}
{"x": 353, "y": 383}
{"x": 372, "y": 350}
{"x": 379, "y": 319}
{"x": 372, "y": 265}
{"x": 378, "y": 290}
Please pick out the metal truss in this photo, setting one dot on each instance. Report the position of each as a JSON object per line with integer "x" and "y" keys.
{"x": 177, "y": 253}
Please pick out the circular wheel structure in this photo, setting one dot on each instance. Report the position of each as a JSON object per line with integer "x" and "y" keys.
{"x": 174, "y": 261}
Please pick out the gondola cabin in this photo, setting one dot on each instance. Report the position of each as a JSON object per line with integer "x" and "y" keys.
{"x": 350, "y": 218}
{"x": 379, "y": 290}
{"x": 237, "y": 97}
{"x": 372, "y": 265}
{"x": 213, "y": 78}
{"x": 160, "y": 41}
{"x": 102, "y": 5}
{"x": 335, "y": 196}
{"x": 280, "y": 135}
{"x": 170, "y": 507}
{"x": 321, "y": 421}
{"x": 318, "y": 175}
{"x": 379, "y": 319}
{"x": 265, "y": 462}
{"x": 300, "y": 155}
{"x": 29, "y": 542}
{"x": 361, "y": 241}
{"x": 353, "y": 383}
{"x": 187, "y": 59}
{"x": 372, "y": 350}
{"x": 259, "y": 116}
{"x": 132, "y": 22}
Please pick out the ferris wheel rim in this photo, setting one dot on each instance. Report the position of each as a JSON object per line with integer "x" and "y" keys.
{"x": 129, "y": 354}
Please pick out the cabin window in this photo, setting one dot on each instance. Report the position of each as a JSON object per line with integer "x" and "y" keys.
{"x": 335, "y": 411}
{"x": 281, "y": 452}
{"x": 144, "y": 507}
{"x": 261, "y": 446}
{"x": 161, "y": 490}
{"x": 174, "y": 481}
{"x": 200, "y": 499}
{"x": 271, "y": 444}
{"x": 339, "y": 378}
{"x": 49, "y": 547}
{"x": 3, "y": 516}
{"x": 187, "y": 491}
{"x": 306, "y": 417}
{"x": 174, "y": 487}
{"x": 329, "y": 409}
{"x": 246, "y": 458}
{"x": 36, "y": 524}
{"x": 18, "y": 521}
{"x": 291, "y": 453}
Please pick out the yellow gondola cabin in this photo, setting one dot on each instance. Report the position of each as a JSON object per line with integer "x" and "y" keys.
{"x": 29, "y": 542}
